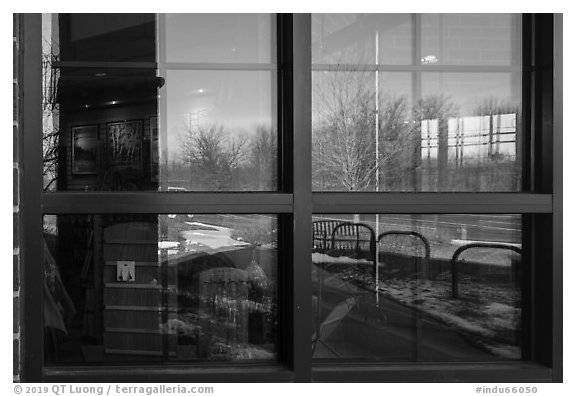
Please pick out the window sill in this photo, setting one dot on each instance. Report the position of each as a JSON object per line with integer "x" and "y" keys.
{"x": 432, "y": 372}
{"x": 166, "y": 374}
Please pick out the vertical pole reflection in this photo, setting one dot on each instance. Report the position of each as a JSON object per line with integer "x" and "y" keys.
{"x": 377, "y": 133}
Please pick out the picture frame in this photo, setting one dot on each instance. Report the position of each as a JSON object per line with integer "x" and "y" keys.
{"x": 85, "y": 150}
{"x": 125, "y": 143}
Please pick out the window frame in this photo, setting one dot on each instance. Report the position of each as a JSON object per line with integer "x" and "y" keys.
{"x": 295, "y": 202}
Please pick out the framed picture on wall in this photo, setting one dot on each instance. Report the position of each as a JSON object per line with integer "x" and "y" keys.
{"x": 85, "y": 150}
{"x": 125, "y": 143}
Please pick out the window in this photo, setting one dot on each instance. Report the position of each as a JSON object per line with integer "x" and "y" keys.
{"x": 411, "y": 103}
{"x": 417, "y": 102}
{"x": 426, "y": 288}
{"x": 160, "y": 288}
{"x": 262, "y": 197}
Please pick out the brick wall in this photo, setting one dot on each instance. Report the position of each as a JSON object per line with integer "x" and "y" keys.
{"x": 16, "y": 192}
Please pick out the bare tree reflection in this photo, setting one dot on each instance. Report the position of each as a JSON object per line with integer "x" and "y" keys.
{"x": 213, "y": 155}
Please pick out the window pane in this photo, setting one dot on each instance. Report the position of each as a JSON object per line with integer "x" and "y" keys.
{"x": 382, "y": 121}
{"x": 390, "y": 39}
{"x": 461, "y": 133}
{"x": 231, "y": 38}
{"x": 449, "y": 287}
{"x": 470, "y": 132}
{"x": 136, "y": 288}
{"x": 141, "y": 128}
{"x": 471, "y": 39}
{"x": 362, "y": 38}
{"x": 101, "y": 37}
{"x": 221, "y": 130}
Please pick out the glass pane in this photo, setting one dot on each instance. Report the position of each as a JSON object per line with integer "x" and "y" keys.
{"x": 470, "y": 132}
{"x": 141, "y": 128}
{"x": 461, "y": 133}
{"x": 471, "y": 39}
{"x": 387, "y": 129}
{"x": 362, "y": 38}
{"x": 101, "y": 37}
{"x": 343, "y": 131}
{"x": 417, "y": 287}
{"x": 230, "y": 38}
{"x": 390, "y": 39}
{"x": 221, "y": 131}
{"x": 160, "y": 288}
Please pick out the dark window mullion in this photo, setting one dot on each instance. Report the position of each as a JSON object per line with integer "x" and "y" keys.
{"x": 32, "y": 257}
{"x": 285, "y": 98}
{"x": 153, "y": 202}
{"x": 436, "y": 203}
{"x": 284, "y": 89}
{"x": 302, "y": 241}
{"x": 557, "y": 274}
{"x": 217, "y": 66}
{"x": 163, "y": 65}
{"x": 103, "y": 65}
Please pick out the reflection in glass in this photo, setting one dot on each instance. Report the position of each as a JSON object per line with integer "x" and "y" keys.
{"x": 417, "y": 287}
{"x": 358, "y": 38}
{"x": 471, "y": 39}
{"x": 159, "y": 129}
{"x": 221, "y": 131}
{"x": 127, "y": 288}
{"x": 461, "y": 134}
{"x": 343, "y": 132}
{"x": 470, "y": 136}
{"x": 230, "y": 38}
{"x": 389, "y": 39}
{"x": 379, "y": 128}
{"x": 101, "y": 37}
